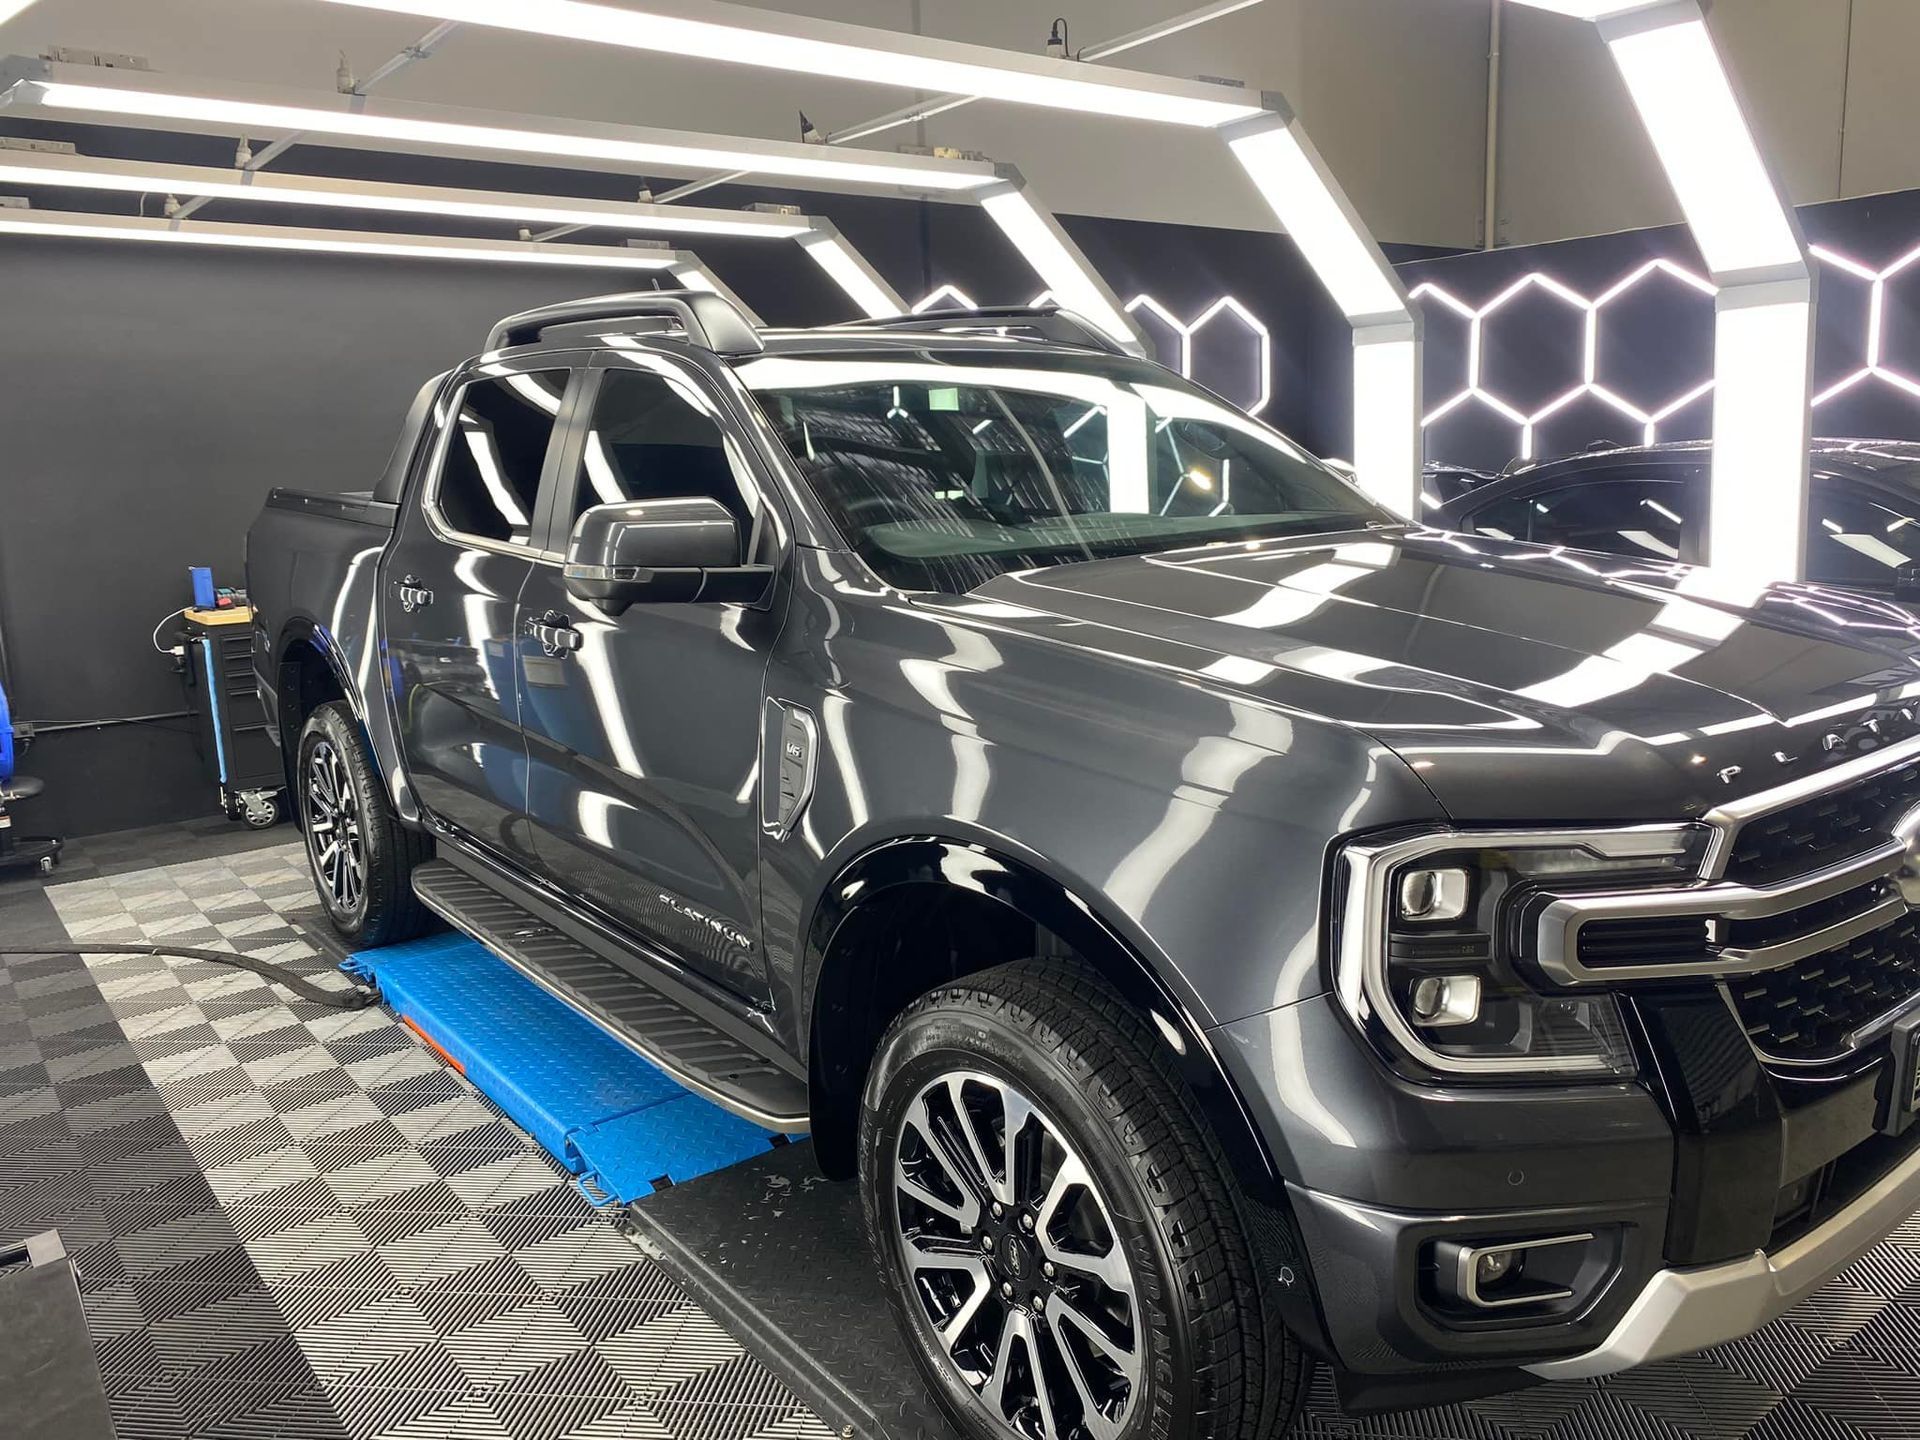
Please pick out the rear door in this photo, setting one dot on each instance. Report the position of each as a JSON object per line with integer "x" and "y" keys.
{"x": 451, "y": 583}
{"x": 644, "y": 739}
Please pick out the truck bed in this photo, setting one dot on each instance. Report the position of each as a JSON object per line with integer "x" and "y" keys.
{"x": 358, "y": 506}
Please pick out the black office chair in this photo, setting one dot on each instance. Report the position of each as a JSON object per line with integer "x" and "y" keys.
{"x": 39, "y": 851}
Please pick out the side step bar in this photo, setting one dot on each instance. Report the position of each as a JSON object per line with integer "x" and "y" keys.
{"x": 692, "y": 1050}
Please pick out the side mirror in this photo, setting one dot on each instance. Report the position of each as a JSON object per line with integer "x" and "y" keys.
{"x": 661, "y": 552}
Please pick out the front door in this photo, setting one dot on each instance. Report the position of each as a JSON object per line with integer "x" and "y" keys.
{"x": 451, "y": 582}
{"x": 643, "y": 732}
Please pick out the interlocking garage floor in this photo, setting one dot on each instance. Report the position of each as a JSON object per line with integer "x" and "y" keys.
{"x": 292, "y": 1221}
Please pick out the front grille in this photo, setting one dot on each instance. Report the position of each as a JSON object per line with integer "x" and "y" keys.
{"x": 1643, "y": 941}
{"x": 1824, "y": 830}
{"x": 1806, "y": 1011}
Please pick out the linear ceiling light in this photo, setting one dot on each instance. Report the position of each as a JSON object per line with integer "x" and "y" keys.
{"x": 260, "y": 110}
{"x": 1298, "y": 188}
{"x": 1058, "y": 262}
{"x": 11, "y": 8}
{"x": 1686, "y": 101}
{"x": 81, "y": 226}
{"x": 1301, "y": 191}
{"x": 848, "y": 269}
{"x": 1764, "y": 309}
{"x": 714, "y": 30}
{"x": 87, "y": 173}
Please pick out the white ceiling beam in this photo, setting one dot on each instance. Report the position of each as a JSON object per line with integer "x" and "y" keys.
{"x": 77, "y": 225}
{"x": 1262, "y": 131}
{"x": 84, "y": 172}
{"x": 848, "y": 268}
{"x": 746, "y": 35}
{"x": 1745, "y": 229}
{"x": 84, "y": 92}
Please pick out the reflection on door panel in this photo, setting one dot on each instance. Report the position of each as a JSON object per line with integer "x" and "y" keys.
{"x": 643, "y": 744}
{"x": 450, "y": 607}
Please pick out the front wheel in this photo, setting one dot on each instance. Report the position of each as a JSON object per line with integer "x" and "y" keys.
{"x": 1061, "y": 1239}
{"x": 361, "y": 856}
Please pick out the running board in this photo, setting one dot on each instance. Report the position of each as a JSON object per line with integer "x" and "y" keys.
{"x": 692, "y": 1050}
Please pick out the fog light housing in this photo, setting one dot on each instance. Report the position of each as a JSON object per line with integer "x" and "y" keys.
{"x": 1505, "y": 1274}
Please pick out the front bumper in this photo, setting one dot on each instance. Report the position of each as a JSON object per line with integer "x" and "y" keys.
{"x": 1680, "y": 1311}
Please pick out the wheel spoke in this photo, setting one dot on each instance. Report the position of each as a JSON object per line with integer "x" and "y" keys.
{"x": 1042, "y": 1392}
{"x": 1063, "y": 1314}
{"x": 991, "y": 1185}
{"x": 964, "y": 1213}
{"x": 956, "y": 1324}
{"x": 994, "y": 1392}
{"x": 1110, "y": 1268}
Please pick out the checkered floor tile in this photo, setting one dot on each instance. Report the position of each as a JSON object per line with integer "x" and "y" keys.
{"x": 295, "y": 1221}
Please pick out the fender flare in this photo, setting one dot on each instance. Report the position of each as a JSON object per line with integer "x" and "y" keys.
{"x": 1042, "y": 898}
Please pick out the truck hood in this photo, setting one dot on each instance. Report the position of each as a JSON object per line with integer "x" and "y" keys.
{"x": 1521, "y": 683}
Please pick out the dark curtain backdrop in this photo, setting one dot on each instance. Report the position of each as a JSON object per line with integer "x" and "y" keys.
{"x": 151, "y": 396}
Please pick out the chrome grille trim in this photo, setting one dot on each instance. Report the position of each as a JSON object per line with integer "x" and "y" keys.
{"x": 1557, "y": 934}
{"x": 1727, "y": 819}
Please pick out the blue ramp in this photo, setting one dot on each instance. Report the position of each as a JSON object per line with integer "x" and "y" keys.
{"x": 623, "y": 1126}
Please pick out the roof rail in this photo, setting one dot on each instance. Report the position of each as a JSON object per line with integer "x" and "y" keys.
{"x": 1049, "y": 322}
{"x": 710, "y": 321}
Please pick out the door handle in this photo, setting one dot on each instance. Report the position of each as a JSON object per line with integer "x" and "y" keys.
{"x": 414, "y": 596}
{"x": 555, "y": 634}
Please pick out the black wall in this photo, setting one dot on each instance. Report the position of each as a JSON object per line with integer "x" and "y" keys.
{"x": 150, "y": 396}
{"x": 1655, "y": 340}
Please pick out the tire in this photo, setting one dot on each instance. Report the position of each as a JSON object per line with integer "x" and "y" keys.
{"x": 1145, "y": 1233}
{"x": 362, "y": 858}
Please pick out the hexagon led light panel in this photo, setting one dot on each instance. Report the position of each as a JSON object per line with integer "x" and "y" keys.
{"x": 1590, "y": 310}
{"x": 1877, "y": 281}
{"x": 1471, "y": 388}
{"x": 1225, "y": 310}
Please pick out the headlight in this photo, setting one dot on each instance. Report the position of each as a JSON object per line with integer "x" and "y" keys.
{"x": 1425, "y": 963}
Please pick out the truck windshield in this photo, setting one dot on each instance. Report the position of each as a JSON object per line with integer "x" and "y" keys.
{"x": 946, "y": 470}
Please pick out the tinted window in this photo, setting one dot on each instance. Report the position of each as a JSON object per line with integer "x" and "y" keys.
{"x": 1857, "y": 536}
{"x": 495, "y": 450}
{"x": 1647, "y": 518}
{"x": 656, "y": 438}
{"x": 943, "y": 475}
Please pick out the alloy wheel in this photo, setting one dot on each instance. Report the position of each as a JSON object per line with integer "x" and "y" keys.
{"x": 334, "y": 839}
{"x": 1014, "y": 1261}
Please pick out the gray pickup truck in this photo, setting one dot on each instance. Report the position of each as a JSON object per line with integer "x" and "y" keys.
{"x": 1219, "y": 925}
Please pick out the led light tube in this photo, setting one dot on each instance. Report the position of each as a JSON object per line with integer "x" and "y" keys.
{"x": 746, "y": 35}
{"x": 844, "y": 266}
{"x": 1332, "y": 241}
{"x": 260, "y": 110}
{"x": 1687, "y": 104}
{"x": 80, "y": 226}
{"x": 1059, "y": 263}
{"x": 1757, "y": 484}
{"x": 86, "y": 173}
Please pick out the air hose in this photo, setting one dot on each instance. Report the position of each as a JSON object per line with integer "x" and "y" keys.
{"x": 356, "y": 997}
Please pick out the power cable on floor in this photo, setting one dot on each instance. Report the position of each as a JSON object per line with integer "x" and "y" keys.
{"x": 357, "y": 997}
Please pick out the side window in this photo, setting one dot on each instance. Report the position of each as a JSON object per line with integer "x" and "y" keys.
{"x": 652, "y": 438}
{"x": 1857, "y": 536}
{"x": 1639, "y": 516}
{"x": 496, "y": 446}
